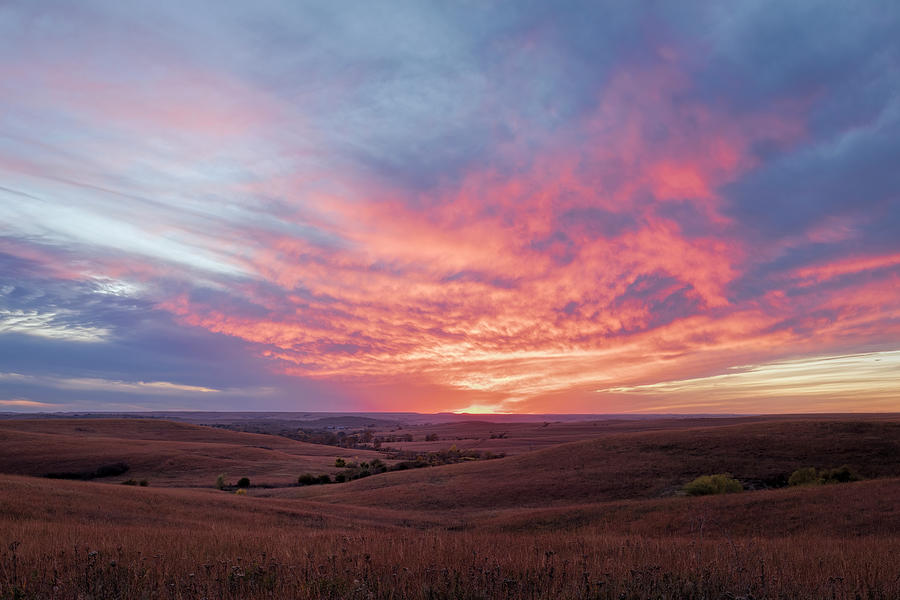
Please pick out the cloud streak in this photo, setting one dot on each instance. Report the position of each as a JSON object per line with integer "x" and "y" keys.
{"x": 822, "y": 382}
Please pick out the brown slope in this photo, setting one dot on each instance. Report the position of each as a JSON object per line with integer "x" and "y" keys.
{"x": 865, "y": 508}
{"x": 164, "y": 452}
{"x": 518, "y": 437}
{"x": 631, "y": 466}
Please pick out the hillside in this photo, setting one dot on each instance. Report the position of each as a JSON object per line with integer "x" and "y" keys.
{"x": 593, "y": 518}
{"x": 163, "y": 452}
{"x": 636, "y": 465}
{"x": 84, "y": 539}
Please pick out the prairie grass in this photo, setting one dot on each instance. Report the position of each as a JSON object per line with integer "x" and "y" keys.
{"x": 594, "y": 519}
{"x": 74, "y": 561}
{"x": 61, "y": 539}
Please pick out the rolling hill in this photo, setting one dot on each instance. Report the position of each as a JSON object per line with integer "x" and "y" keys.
{"x": 636, "y": 465}
{"x": 163, "y": 452}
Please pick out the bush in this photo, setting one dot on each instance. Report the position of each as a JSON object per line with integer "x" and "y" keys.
{"x": 809, "y": 476}
{"x": 240, "y": 491}
{"x": 243, "y": 482}
{"x": 143, "y": 483}
{"x": 721, "y": 483}
{"x": 129, "y": 482}
{"x": 310, "y": 479}
{"x": 340, "y": 463}
{"x": 220, "y": 482}
{"x": 805, "y": 476}
{"x": 843, "y": 474}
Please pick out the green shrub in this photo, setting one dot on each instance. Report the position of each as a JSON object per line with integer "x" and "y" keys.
{"x": 805, "y": 476}
{"x": 143, "y": 483}
{"x": 810, "y": 476}
{"x": 220, "y": 482}
{"x": 721, "y": 483}
{"x": 243, "y": 482}
{"x": 129, "y": 482}
{"x": 340, "y": 463}
{"x": 323, "y": 479}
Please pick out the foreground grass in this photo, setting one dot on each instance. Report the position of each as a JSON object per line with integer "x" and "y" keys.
{"x": 592, "y": 519}
{"x": 97, "y": 541}
{"x": 82, "y": 562}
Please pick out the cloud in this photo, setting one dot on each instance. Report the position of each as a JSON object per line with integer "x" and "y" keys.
{"x": 49, "y": 325}
{"x": 23, "y": 403}
{"x": 867, "y": 381}
{"x": 88, "y": 383}
{"x": 456, "y": 206}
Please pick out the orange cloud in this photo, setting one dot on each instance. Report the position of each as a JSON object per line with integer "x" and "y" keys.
{"x": 569, "y": 272}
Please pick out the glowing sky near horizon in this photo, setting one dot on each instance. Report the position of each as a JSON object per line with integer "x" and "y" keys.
{"x": 487, "y": 207}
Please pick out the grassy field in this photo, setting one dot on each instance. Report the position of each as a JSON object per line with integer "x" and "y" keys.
{"x": 596, "y": 518}
{"x": 634, "y": 465}
{"x": 162, "y": 452}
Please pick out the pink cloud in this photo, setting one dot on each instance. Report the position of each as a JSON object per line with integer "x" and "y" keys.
{"x": 466, "y": 295}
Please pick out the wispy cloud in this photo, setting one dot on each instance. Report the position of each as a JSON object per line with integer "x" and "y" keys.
{"x": 51, "y": 325}
{"x": 106, "y": 385}
{"x": 866, "y": 381}
{"x": 23, "y": 403}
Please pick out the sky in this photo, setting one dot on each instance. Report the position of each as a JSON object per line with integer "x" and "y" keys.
{"x": 541, "y": 207}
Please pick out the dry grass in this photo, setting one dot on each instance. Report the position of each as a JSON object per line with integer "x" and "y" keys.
{"x": 190, "y": 544}
{"x": 580, "y": 520}
{"x": 635, "y": 465}
{"x": 164, "y": 452}
{"x": 522, "y": 437}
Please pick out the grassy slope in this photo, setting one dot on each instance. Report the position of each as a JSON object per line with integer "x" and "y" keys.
{"x": 164, "y": 452}
{"x": 514, "y": 522}
{"x": 865, "y": 508}
{"x": 519, "y": 437}
{"x": 66, "y": 539}
{"x": 629, "y": 466}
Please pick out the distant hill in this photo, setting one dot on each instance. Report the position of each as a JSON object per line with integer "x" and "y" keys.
{"x": 639, "y": 465}
{"x": 164, "y": 452}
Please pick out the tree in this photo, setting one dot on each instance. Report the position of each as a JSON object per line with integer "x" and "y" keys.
{"x": 243, "y": 482}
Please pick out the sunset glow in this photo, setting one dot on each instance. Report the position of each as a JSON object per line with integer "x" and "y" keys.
{"x": 461, "y": 208}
